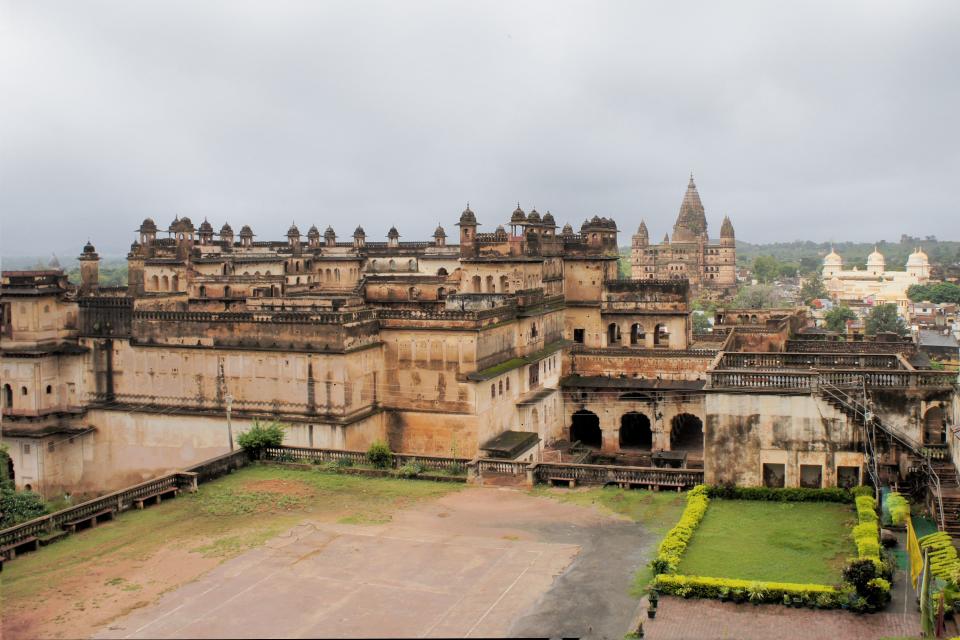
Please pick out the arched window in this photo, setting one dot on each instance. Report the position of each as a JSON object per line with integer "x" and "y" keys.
{"x": 637, "y": 335}
{"x": 412, "y": 264}
{"x": 393, "y": 265}
{"x": 491, "y": 288}
{"x": 49, "y": 389}
{"x": 226, "y": 291}
{"x": 7, "y": 396}
{"x": 165, "y": 281}
{"x": 613, "y": 333}
{"x": 493, "y": 391}
{"x": 504, "y": 288}
{"x": 500, "y": 386}
{"x": 476, "y": 284}
{"x": 508, "y": 384}
{"x": 441, "y": 293}
{"x": 442, "y": 272}
{"x": 23, "y": 391}
{"x": 203, "y": 291}
{"x": 155, "y": 282}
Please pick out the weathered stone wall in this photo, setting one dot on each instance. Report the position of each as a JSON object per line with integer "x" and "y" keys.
{"x": 743, "y": 431}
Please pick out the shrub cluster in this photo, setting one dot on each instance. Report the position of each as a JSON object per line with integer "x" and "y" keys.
{"x": 260, "y": 436}
{"x": 731, "y": 492}
{"x": 811, "y": 595}
{"x": 676, "y": 540}
{"x": 943, "y": 555}
{"x": 379, "y": 455}
{"x": 899, "y": 508}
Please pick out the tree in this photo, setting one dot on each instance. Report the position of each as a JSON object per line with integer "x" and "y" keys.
{"x": 809, "y": 264}
{"x": 940, "y": 292}
{"x": 765, "y": 268}
{"x": 700, "y": 322}
{"x": 812, "y": 288}
{"x": 885, "y": 319}
{"x": 837, "y": 318}
{"x": 761, "y": 296}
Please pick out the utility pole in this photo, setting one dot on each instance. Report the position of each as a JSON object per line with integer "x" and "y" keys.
{"x": 229, "y": 399}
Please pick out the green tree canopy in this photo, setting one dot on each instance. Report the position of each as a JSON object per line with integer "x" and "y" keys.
{"x": 885, "y": 319}
{"x": 812, "y": 288}
{"x": 760, "y": 296}
{"x": 837, "y": 318}
{"x": 939, "y": 292}
{"x": 765, "y": 268}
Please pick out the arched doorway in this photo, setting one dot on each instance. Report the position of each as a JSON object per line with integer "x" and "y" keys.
{"x": 686, "y": 433}
{"x": 11, "y": 475}
{"x": 934, "y": 426}
{"x": 613, "y": 333}
{"x": 637, "y": 334}
{"x": 7, "y": 396}
{"x": 586, "y": 428}
{"x": 635, "y": 431}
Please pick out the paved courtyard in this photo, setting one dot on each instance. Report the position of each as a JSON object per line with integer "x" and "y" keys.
{"x": 472, "y": 564}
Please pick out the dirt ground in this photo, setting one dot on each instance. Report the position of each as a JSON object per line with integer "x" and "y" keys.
{"x": 477, "y": 563}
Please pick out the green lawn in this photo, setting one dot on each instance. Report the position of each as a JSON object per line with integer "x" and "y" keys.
{"x": 806, "y": 542}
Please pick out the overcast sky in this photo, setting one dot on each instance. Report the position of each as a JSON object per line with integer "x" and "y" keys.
{"x": 817, "y": 120}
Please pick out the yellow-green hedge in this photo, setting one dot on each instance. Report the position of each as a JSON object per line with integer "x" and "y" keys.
{"x": 943, "y": 555}
{"x": 866, "y": 535}
{"x": 819, "y": 595}
{"x": 899, "y": 508}
{"x": 676, "y": 540}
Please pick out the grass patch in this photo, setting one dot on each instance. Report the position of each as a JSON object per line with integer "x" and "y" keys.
{"x": 226, "y": 517}
{"x": 803, "y": 542}
{"x": 657, "y": 510}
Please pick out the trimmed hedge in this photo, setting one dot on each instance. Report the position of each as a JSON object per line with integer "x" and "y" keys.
{"x": 730, "y": 492}
{"x": 866, "y": 535}
{"x": 899, "y": 508}
{"x": 943, "y": 555}
{"x": 812, "y": 595}
{"x": 676, "y": 540}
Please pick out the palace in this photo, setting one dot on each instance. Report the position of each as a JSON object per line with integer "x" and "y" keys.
{"x": 875, "y": 283}
{"x": 709, "y": 267}
{"x": 522, "y": 342}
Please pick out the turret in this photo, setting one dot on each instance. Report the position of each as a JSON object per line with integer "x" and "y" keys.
{"x": 727, "y": 238}
{"x": 89, "y": 269}
{"x": 205, "y": 233}
{"x": 393, "y": 238}
{"x": 330, "y": 237}
{"x": 549, "y": 224}
{"x": 148, "y": 232}
{"x": 439, "y": 237}
{"x": 246, "y": 236}
{"x": 832, "y": 264}
{"x": 313, "y": 237}
{"x": 876, "y": 264}
{"x": 642, "y": 237}
{"x": 226, "y": 234}
{"x": 918, "y": 265}
{"x": 359, "y": 238}
{"x": 182, "y": 231}
{"x": 468, "y": 233}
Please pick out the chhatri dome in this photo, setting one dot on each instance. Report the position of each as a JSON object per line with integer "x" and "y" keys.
{"x": 918, "y": 259}
{"x": 832, "y": 259}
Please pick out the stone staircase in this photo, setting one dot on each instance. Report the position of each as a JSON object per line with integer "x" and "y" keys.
{"x": 943, "y": 484}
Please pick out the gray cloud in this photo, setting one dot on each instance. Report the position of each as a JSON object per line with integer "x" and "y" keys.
{"x": 816, "y": 120}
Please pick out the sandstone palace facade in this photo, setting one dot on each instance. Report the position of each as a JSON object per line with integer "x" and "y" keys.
{"x": 709, "y": 267}
{"x": 523, "y": 333}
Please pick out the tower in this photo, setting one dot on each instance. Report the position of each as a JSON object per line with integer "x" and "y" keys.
{"x": 89, "y": 269}
{"x": 468, "y": 233}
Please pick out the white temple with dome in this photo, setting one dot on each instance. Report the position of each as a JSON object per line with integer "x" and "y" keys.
{"x": 875, "y": 282}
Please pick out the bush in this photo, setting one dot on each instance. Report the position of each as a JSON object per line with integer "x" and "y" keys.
{"x": 899, "y": 508}
{"x": 862, "y": 490}
{"x": 379, "y": 455}
{"x": 19, "y": 506}
{"x": 260, "y": 436}
{"x": 676, "y": 540}
{"x": 732, "y": 492}
{"x": 767, "y": 592}
{"x": 866, "y": 509}
{"x": 343, "y": 463}
{"x": 410, "y": 470}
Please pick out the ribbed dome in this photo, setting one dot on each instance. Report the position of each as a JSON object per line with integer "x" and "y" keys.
{"x": 148, "y": 225}
{"x": 313, "y": 232}
{"x": 359, "y": 233}
{"x": 206, "y": 227}
{"x": 876, "y": 258}
{"x": 518, "y": 215}
{"x": 393, "y": 233}
{"x": 534, "y": 216}
{"x": 329, "y": 232}
{"x": 226, "y": 229}
{"x": 918, "y": 259}
{"x": 439, "y": 232}
{"x": 468, "y": 217}
{"x": 567, "y": 230}
{"x": 293, "y": 232}
{"x": 548, "y": 219}
{"x": 832, "y": 259}
{"x": 245, "y": 230}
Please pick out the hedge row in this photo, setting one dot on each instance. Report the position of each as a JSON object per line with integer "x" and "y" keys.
{"x": 866, "y": 535}
{"x": 899, "y": 508}
{"x": 730, "y": 492}
{"x": 675, "y": 542}
{"x": 811, "y": 595}
{"x": 943, "y": 555}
